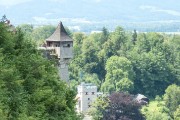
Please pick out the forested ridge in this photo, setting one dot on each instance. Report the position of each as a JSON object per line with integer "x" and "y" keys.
{"x": 125, "y": 61}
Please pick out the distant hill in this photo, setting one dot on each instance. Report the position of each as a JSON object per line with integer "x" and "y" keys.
{"x": 89, "y": 15}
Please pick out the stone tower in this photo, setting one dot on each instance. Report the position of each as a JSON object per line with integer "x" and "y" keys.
{"x": 60, "y": 46}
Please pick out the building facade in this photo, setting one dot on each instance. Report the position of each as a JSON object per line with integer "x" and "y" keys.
{"x": 87, "y": 93}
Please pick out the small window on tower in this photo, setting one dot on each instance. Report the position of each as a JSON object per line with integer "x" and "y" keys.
{"x": 88, "y": 98}
{"x": 86, "y": 93}
{"x": 49, "y": 44}
{"x": 57, "y": 45}
{"x": 92, "y": 93}
{"x": 89, "y": 106}
{"x": 66, "y": 45}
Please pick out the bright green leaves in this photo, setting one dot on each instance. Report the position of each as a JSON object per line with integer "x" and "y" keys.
{"x": 177, "y": 113}
{"x": 119, "y": 75}
{"x": 125, "y": 85}
{"x": 172, "y": 97}
{"x": 166, "y": 108}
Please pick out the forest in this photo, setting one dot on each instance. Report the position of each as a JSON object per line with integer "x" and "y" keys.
{"x": 117, "y": 61}
{"x": 30, "y": 88}
{"x": 130, "y": 62}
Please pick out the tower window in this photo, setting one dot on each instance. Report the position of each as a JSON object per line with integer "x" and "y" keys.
{"x": 86, "y": 93}
{"x": 57, "y": 45}
{"x": 67, "y": 45}
{"x": 92, "y": 93}
{"x": 49, "y": 44}
{"x": 88, "y": 98}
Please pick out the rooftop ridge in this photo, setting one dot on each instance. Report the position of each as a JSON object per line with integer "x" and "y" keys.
{"x": 59, "y": 34}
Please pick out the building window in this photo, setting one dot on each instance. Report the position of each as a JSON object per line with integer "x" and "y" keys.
{"x": 79, "y": 105}
{"x": 88, "y": 98}
{"x": 92, "y": 93}
{"x": 57, "y": 45}
{"x": 89, "y": 106}
{"x": 67, "y": 45}
{"x": 49, "y": 44}
{"x": 86, "y": 93}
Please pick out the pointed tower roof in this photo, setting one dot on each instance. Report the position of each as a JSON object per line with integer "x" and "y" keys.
{"x": 59, "y": 34}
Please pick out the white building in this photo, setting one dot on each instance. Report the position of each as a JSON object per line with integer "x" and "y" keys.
{"x": 87, "y": 93}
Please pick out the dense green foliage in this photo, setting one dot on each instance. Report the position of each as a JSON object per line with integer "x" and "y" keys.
{"x": 117, "y": 106}
{"x": 38, "y": 34}
{"x": 30, "y": 88}
{"x": 98, "y": 107}
{"x": 155, "y": 111}
{"x": 165, "y": 108}
{"x": 145, "y": 63}
{"x": 119, "y": 75}
{"x": 172, "y": 99}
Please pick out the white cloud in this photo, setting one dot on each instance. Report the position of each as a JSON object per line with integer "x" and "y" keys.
{"x": 49, "y": 13}
{"x": 162, "y": 21}
{"x": 76, "y": 28}
{"x": 97, "y": 1}
{"x": 77, "y": 20}
{"x": 8, "y": 3}
{"x": 43, "y": 20}
{"x": 81, "y": 20}
{"x": 156, "y": 9}
{"x": 57, "y": 0}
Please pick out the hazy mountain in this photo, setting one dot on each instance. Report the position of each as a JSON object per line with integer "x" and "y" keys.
{"x": 80, "y": 14}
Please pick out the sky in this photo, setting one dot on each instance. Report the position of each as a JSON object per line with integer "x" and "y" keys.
{"x": 90, "y": 11}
